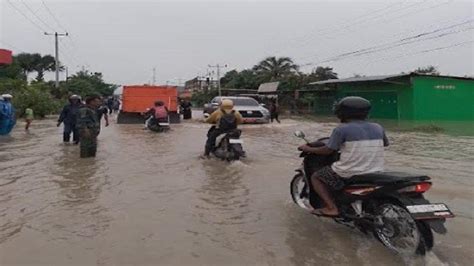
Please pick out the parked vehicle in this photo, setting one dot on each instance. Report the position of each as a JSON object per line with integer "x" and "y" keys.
{"x": 229, "y": 146}
{"x": 136, "y": 100}
{"x": 249, "y": 108}
{"x": 389, "y": 205}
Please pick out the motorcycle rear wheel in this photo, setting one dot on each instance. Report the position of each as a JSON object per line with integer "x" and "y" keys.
{"x": 397, "y": 230}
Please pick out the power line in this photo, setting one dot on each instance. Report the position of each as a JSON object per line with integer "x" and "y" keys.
{"x": 52, "y": 15}
{"x": 403, "y": 41}
{"x": 12, "y": 46}
{"x": 71, "y": 55}
{"x": 25, "y": 16}
{"x": 36, "y": 16}
{"x": 401, "y": 16}
{"x": 310, "y": 36}
{"x": 424, "y": 51}
{"x": 357, "y": 21}
{"x": 410, "y": 42}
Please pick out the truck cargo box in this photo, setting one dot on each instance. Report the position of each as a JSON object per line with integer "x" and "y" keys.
{"x": 136, "y": 100}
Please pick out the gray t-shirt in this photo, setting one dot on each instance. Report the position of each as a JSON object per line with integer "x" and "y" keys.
{"x": 361, "y": 144}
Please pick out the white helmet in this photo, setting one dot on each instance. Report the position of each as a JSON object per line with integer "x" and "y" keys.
{"x": 7, "y": 96}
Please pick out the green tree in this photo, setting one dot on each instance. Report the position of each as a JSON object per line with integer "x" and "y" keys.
{"x": 245, "y": 79}
{"x": 27, "y": 62}
{"x": 46, "y": 63}
{"x": 229, "y": 77}
{"x": 86, "y": 83}
{"x": 322, "y": 73}
{"x": 432, "y": 70}
{"x": 273, "y": 68}
{"x": 13, "y": 71}
{"x": 33, "y": 96}
{"x": 202, "y": 97}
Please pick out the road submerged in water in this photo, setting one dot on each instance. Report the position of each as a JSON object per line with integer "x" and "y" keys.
{"x": 147, "y": 199}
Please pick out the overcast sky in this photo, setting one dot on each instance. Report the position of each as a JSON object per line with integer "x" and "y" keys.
{"x": 125, "y": 40}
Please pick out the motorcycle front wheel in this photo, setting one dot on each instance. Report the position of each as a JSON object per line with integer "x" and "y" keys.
{"x": 300, "y": 191}
{"x": 396, "y": 229}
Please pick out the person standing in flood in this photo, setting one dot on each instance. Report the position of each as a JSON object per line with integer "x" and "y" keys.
{"x": 274, "y": 111}
{"x": 29, "y": 115}
{"x": 88, "y": 125}
{"x": 68, "y": 116}
{"x": 7, "y": 114}
{"x": 186, "y": 109}
{"x": 103, "y": 111}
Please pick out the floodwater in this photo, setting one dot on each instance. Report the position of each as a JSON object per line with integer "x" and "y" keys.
{"x": 146, "y": 199}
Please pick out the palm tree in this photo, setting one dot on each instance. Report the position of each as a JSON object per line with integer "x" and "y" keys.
{"x": 36, "y": 63}
{"x": 273, "y": 68}
{"x": 323, "y": 73}
{"x": 28, "y": 62}
{"x": 46, "y": 63}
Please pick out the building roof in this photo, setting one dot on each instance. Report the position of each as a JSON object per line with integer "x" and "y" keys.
{"x": 268, "y": 87}
{"x": 379, "y": 78}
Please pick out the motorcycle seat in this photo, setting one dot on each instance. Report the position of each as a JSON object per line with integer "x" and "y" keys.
{"x": 385, "y": 178}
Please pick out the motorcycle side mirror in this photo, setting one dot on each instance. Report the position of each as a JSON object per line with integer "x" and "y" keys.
{"x": 300, "y": 134}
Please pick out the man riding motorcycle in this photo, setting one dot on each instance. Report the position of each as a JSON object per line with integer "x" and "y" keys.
{"x": 158, "y": 113}
{"x": 361, "y": 145}
{"x": 225, "y": 119}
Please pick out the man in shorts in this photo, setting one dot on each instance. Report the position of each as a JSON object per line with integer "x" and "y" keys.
{"x": 361, "y": 144}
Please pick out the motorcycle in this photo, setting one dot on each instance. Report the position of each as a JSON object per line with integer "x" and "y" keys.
{"x": 229, "y": 146}
{"x": 157, "y": 126}
{"x": 389, "y": 205}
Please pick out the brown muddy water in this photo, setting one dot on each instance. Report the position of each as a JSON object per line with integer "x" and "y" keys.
{"x": 148, "y": 200}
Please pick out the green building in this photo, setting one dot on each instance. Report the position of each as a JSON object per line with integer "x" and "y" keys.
{"x": 404, "y": 96}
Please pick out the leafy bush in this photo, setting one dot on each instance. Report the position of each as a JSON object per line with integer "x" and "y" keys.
{"x": 36, "y": 97}
{"x": 202, "y": 97}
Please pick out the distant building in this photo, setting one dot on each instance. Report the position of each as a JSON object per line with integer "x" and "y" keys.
{"x": 200, "y": 84}
{"x": 408, "y": 96}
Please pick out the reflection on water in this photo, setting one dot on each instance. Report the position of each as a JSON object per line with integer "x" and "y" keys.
{"x": 148, "y": 199}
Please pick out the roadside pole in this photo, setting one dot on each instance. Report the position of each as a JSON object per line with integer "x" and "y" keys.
{"x": 56, "y": 52}
{"x": 218, "y": 67}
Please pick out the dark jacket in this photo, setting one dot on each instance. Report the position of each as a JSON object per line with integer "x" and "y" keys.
{"x": 88, "y": 118}
{"x": 69, "y": 114}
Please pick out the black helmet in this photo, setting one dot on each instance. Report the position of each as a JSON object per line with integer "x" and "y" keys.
{"x": 352, "y": 107}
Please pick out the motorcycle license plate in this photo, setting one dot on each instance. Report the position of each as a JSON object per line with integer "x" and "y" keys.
{"x": 430, "y": 211}
{"x": 235, "y": 141}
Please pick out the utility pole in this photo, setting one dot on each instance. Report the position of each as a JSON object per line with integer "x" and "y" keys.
{"x": 154, "y": 75}
{"x": 218, "y": 67}
{"x": 56, "y": 35}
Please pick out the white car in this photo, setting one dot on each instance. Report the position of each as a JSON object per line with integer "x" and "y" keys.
{"x": 249, "y": 108}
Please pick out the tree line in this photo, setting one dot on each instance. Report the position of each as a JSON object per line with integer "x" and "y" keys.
{"x": 291, "y": 78}
{"x": 273, "y": 68}
{"x": 40, "y": 95}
